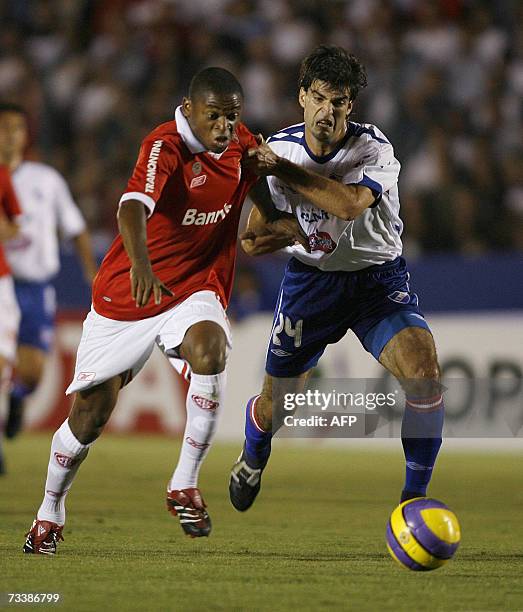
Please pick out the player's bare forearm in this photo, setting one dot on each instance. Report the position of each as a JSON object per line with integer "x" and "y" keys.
{"x": 84, "y": 250}
{"x": 133, "y": 228}
{"x": 261, "y": 198}
{"x": 262, "y": 237}
{"x": 263, "y": 245}
{"x": 343, "y": 201}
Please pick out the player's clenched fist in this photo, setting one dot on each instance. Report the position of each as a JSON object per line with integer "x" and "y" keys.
{"x": 143, "y": 282}
{"x": 261, "y": 160}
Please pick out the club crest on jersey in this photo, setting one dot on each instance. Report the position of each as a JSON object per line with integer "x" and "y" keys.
{"x": 152, "y": 164}
{"x": 196, "y": 168}
{"x": 401, "y": 297}
{"x": 321, "y": 241}
{"x": 193, "y": 217}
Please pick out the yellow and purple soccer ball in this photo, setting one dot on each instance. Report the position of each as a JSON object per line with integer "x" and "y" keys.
{"x": 422, "y": 534}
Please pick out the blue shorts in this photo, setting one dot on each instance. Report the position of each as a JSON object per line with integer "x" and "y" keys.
{"x": 37, "y": 302}
{"x": 317, "y": 308}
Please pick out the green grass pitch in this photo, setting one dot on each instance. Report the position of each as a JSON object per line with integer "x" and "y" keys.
{"x": 313, "y": 541}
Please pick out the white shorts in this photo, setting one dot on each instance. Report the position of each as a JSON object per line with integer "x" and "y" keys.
{"x": 109, "y": 347}
{"x": 9, "y": 318}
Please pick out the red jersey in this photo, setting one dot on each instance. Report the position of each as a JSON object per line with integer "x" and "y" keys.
{"x": 194, "y": 199}
{"x": 9, "y": 208}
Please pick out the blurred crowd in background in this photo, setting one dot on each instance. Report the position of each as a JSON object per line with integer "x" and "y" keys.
{"x": 445, "y": 85}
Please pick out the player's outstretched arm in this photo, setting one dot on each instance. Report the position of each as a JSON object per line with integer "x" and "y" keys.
{"x": 343, "y": 201}
{"x": 133, "y": 228}
{"x": 262, "y": 237}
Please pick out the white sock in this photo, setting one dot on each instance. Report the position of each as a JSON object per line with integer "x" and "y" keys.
{"x": 66, "y": 456}
{"x": 204, "y": 403}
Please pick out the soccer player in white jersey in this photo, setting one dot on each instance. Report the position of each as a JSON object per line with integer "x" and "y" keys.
{"x": 339, "y": 180}
{"x": 33, "y": 256}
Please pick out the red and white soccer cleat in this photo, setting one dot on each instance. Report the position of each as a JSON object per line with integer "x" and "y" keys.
{"x": 189, "y": 507}
{"x": 43, "y": 538}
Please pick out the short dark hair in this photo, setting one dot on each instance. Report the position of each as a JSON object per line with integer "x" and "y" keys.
{"x": 334, "y": 66}
{"x": 11, "y": 107}
{"x": 216, "y": 80}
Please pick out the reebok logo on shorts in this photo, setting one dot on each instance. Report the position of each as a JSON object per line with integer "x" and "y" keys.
{"x": 86, "y": 376}
{"x": 204, "y": 403}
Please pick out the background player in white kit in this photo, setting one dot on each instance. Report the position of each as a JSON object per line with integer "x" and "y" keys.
{"x": 9, "y": 311}
{"x": 339, "y": 180}
{"x": 48, "y": 211}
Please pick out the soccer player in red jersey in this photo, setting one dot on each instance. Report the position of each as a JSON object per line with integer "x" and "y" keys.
{"x": 10, "y": 314}
{"x": 166, "y": 280}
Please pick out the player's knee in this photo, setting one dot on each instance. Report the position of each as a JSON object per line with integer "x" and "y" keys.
{"x": 207, "y": 356}
{"x": 30, "y": 379}
{"x": 423, "y": 379}
{"x": 426, "y": 369}
{"x": 30, "y": 373}
{"x": 204, "y": 347}
{"x": 92, "y": 416}
{"x": 208, "y": 363}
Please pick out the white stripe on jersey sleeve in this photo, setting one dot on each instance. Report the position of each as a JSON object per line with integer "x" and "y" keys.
{"x": 146, "y": 200}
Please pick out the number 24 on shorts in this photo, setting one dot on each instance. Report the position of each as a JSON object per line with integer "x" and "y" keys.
{"x": 285, "y": 325}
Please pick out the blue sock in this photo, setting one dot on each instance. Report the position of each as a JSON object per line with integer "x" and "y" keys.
{"x": 257, "y": 441}
{"x": 19, "y": 391}
{"x": 421, "y": 438}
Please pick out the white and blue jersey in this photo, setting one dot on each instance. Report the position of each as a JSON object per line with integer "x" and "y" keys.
{"x": 48, "y": 210}
{"x": 363, "y": 157}
{"x": 354, "y": 277}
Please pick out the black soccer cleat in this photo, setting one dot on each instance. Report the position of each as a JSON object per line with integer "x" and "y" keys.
{"x": 244, "y": 484}
{"x": 189, "y": 507}
{"x": 43, "y": 538}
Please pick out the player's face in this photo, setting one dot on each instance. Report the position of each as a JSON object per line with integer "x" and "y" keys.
{"x": 13, "y": 134}
{"x": 213, "y": 119}
{"x": 325, "y": 111}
